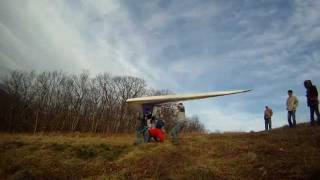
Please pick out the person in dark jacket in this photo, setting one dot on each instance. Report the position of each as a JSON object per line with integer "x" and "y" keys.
{"x": 312, "y": 101}
{"x": 142, "y": 134}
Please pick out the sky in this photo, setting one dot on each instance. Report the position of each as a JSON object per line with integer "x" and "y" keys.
{"x": 186, "y": 46}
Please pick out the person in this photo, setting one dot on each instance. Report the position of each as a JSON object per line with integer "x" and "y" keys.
{"x": 292, "y": 104}
{"x": 178, "y": 124}
{"x": 149, "y": 119}
{"x": 312, "y": 101}
{"x": 157, "y": 133}
{"x": 142, "y": 134}
{"x": 160, "y": 123}
{"x": 156, "y": 111}
{"x": 267, "y": 118}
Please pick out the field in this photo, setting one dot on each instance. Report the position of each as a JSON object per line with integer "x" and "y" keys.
{"x": 280, "y": 154}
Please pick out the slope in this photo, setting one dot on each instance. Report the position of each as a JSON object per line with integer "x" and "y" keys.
{"x": 280, "y": 154}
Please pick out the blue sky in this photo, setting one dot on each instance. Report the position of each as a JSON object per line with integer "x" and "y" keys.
{"x": 186, "y": 46}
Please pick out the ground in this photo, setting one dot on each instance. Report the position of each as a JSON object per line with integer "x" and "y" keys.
{"x": 283, "y": 153}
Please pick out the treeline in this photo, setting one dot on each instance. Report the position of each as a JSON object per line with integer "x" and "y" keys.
{"x": 56, "y": 101}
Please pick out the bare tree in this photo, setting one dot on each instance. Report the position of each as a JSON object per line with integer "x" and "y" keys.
{"x": 54, "y": 101}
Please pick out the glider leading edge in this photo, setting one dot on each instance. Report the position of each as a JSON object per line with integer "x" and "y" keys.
{"x": 146, "y": 104}
{"x": 182, "y": 97}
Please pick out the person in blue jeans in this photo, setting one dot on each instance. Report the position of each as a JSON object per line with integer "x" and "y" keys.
{"x": 142, "y": 134}
{"x": 312, "y": 101}
{"x": 179, "y": 122}
{"x": 292, "y": 104}
{"x": 267, "y": 118}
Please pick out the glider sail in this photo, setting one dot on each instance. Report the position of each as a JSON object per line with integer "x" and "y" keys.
{"x": 181, "y": 97}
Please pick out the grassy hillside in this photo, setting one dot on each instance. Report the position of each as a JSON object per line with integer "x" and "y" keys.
{"x": 281, "y": 154}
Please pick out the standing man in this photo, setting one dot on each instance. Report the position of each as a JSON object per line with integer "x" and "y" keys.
{"x": 142, "y": 134}
{"x": 312, "y": 100}
{"x": 180, "y": 113}
{"x": 267, "y": 118}
{"x": 292, "y": 104}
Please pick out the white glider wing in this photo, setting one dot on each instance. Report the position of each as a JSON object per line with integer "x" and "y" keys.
{"x": 181, "y": 97}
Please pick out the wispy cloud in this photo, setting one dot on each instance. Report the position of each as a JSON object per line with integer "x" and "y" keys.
{"x": 187, "y": 46}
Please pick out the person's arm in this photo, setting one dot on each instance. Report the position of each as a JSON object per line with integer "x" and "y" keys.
{"x": 296, "y": 102}
{"x": 315, "y": 92}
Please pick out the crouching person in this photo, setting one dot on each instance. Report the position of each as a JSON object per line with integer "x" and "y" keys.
{"x": 157, "y": 133}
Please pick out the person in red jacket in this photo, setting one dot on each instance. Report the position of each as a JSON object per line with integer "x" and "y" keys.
{"x": 157, "y": 134}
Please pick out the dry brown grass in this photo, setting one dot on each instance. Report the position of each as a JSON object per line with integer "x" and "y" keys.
{"x": 280, "y": 154}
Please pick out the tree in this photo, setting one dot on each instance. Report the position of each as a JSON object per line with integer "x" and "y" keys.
{"x": 55, "y": 101}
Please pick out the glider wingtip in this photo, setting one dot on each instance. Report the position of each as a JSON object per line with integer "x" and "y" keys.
{"x": 245, "y": 90}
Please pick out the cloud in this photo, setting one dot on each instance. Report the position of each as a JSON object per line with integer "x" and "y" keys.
{"x": 187, "y": 46}
{"x": 98, "y": 36}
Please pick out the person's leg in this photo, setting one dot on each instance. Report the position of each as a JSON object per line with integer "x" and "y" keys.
{"x": 294, "y": 118}
{"x": 139, "y": 132}
{"x": 312, "y": 114}
{"x": 270, "y": 124}
{"x": 316, "y": 110}
{"x": 289, "y": 118}
{"x": 174, "y": 132}
{"x": 179, "y": 126}
{"x": 266, "y": 124}
{"x": 146, "y": 134}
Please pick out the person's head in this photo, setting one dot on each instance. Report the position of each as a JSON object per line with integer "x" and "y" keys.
{"x": 148, "y": 115}
{"x": 290, "y": 92}
{"x": 307, "y": 84}
{"x": 180, "y": 107}
{"x": 267, "y": 107}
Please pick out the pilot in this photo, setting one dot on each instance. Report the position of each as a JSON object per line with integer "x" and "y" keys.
{"x": 178, "y": 124}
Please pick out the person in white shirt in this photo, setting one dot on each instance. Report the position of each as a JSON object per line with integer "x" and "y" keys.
{"x": 292, "y": 104}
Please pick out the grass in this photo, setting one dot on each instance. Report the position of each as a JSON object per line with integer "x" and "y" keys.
{"x": 280, "y": 154}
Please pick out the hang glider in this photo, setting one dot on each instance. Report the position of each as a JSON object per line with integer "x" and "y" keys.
{"x": 181, "y": 97}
